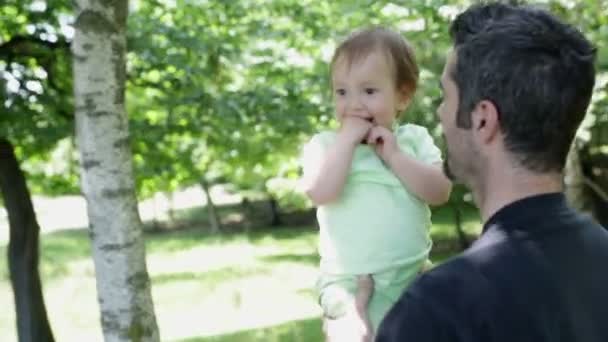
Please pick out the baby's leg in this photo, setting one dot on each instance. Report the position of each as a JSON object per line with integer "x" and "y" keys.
{"x": 345, "y": 302}
{"x": 365, "y": 290}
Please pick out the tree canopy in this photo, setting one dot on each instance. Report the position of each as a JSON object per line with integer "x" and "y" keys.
{"x": 226, "y": 90}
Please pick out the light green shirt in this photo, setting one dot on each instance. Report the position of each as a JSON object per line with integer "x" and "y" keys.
{"x": 376, "y": 223}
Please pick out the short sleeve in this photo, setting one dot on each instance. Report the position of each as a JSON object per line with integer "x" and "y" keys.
{"x": 312, "y": 153}
{"x": 424, "y": 147}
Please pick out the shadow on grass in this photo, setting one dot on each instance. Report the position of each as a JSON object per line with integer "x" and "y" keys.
{"x": 201, "y": 213}
{"x": 282, "y": 232}
{"x": 178, "y": 240}
{"x": 215, "y": 277}
{"x": 312, "y": 259}
{"x": 296, "y": 331}
{"x": 57, "y": 249}
{"x": 60, "y": 248}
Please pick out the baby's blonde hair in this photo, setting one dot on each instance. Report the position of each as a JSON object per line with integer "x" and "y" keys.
{"x": 398, "y": 51}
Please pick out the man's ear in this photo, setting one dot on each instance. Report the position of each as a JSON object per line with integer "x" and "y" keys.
{"x": 485, "y": 121}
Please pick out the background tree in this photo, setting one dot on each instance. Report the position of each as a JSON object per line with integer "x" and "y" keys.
{"x": 33, "y": 63}
{"x": 123, "y": 285}
{"x": 23, "y": 256}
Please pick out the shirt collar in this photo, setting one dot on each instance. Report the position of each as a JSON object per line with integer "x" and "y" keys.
{"x": 521, "y": 213}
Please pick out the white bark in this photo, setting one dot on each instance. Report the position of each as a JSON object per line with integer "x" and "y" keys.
{"x": 123, "y": 285}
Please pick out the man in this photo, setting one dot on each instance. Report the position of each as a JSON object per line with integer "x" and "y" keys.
{"x": 516, "y": 86}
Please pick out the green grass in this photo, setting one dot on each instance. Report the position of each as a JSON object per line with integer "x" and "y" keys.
{"x": 226, "y": 288}
{"x": 306, "y": 330}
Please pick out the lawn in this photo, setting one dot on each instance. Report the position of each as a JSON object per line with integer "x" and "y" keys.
{"x": 229, "y": 288}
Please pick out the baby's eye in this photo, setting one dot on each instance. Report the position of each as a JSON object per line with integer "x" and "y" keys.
{"x": 370, "y": 91}
{"x": 340, "y": 92}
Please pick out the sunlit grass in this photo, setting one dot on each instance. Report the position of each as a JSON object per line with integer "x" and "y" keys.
{"x": 231, "y": 287}
{"x": 202, "y": 285}
{"x": 294, "y": 331}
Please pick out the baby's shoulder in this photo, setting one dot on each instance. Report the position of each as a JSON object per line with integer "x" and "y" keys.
{"x": 323, "y": 138}
{"x": 411, "y": 131}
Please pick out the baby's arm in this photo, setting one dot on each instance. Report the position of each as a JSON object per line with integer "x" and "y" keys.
{"x": 325, "y": 183}
{"x": 426, "y": 181}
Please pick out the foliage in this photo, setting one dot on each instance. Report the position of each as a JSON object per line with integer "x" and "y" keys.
{"x": 226, "y": 90}
{"x": 36, "y": 86}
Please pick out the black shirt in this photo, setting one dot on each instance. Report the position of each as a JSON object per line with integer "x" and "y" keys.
{"x": 538, "y": 272}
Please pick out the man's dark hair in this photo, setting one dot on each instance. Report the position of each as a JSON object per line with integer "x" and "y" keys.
{"x": 538, "y": 72}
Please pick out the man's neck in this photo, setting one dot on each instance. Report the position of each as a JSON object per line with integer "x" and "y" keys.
{"x": 504, "y": 185}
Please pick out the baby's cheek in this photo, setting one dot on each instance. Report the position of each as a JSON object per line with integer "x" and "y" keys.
{"x": 339, "y": 115}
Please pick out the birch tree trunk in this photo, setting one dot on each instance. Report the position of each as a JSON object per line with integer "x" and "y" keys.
{"x": 123, "y": 285}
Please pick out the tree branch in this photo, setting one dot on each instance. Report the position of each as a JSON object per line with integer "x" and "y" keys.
{"x": 27, "y": 45}
{"x": 597, "y": 189}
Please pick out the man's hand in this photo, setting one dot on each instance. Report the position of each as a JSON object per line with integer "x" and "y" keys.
{"x": 384, "y": 142}
{"x": 354, "y": 129}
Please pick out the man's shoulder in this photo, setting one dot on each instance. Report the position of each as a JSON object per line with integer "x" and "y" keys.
{"x": 465, "y": 280}
{"x": 441, "y": 305}
{"x": 454, "y": 279}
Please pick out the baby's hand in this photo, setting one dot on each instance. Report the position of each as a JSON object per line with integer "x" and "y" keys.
{"x": 384, "y": 142}
{"x": 354, "y": 129}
